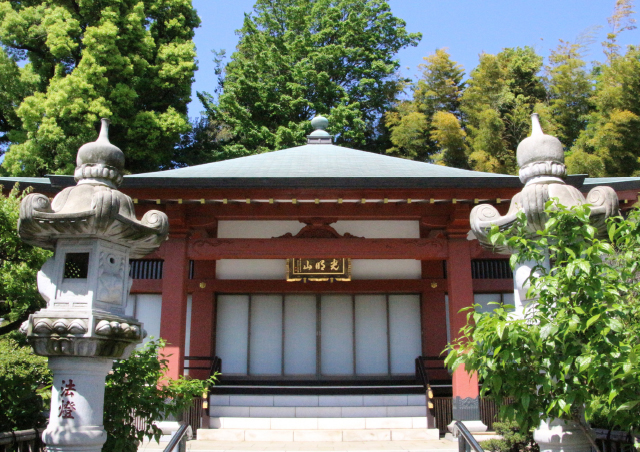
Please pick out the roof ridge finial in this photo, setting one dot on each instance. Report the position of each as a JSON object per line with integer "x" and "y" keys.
{"x": 319, "y": 135}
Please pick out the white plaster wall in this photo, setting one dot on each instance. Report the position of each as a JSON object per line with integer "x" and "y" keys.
{"x": 379, "y": 229}
{"x": 130, "y": 308}
{"x": 257, "y": 229}
{"x": 148, "y": 310}
{"x": 386, "y": 269}
{"x": 250, "y": 269}
{"x": 374, "y": 229}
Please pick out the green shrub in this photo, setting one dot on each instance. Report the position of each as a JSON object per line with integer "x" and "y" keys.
{"x": 25, "y": 387}
{"x": 137, "y": 388}
{"x": 513, "y": 440}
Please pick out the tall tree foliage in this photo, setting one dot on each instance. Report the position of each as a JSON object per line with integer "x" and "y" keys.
{"x": 569, "y": 90}
{"x": 497, "y": 104}
{"x": 129, "y": 60}
{"x": 428, "y": 126}
{"x": 19, "y": 264}
{"x": 298, "y": 58}
{"x": 610, "y": 144}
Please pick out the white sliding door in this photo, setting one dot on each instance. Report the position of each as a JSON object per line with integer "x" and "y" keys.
{"x": 404, "y": 332}
{"x": 300, "y": 324}
{"x": 318, "y": 335}
{"x": 265, "y": 339}
{"x": 372, "y": 357}
{"x": 232, "y": 333}
{"x": 336, "y": 332}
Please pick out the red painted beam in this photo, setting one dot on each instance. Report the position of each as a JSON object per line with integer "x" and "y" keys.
{"x": 155, "y": 285}
{"x": 146, "y": 286}
{"x": 321, "y": 193}
{"x": 279, "y": 286}
{"x": 492, "y": 285}
{"x": 419, "y": 249}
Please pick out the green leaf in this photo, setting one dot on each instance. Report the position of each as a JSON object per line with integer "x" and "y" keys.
{"x": 592, "y": 320}
{"x": 549, "y": 329}
{"x": 628, "y": 405}
{"x": 500, "y": 329}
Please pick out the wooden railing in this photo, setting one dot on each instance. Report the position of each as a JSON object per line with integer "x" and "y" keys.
{"x": 193, "y": 415}
{"x": 615, "y": 441}
{"x": 22, "y": 441}
{"x": 443, "y": 412}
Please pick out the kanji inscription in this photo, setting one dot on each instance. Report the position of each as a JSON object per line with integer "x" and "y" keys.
{"x": 67, "y": 406}
{"x": 324, "y": 269}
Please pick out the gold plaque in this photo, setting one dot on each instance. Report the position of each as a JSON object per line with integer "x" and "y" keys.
{"x": 324, "y": 269}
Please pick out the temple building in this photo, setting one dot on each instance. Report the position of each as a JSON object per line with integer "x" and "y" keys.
{"x": 325, "y": 281}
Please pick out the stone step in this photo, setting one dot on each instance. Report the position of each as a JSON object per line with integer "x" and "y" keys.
{"x": 293, "y": 435}
{"x": 318, "y": 411}
{"x": 318, "y": 400}
{"x": 361, "y": 423}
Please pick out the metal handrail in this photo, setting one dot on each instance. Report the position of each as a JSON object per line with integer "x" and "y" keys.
{"x": 421, "y": 374}
{"x": 423, "y": 377}
{"x": 215, "y": 366}
{"x": 466, "y": 441}
{"x": 179, "y": 439}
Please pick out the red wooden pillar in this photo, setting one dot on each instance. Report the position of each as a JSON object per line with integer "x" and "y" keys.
{"x": 174, "y": 302}
{"x": 202, "y": 328}
{"x": 434, "y": 315}
{"x": 466, "y": 402}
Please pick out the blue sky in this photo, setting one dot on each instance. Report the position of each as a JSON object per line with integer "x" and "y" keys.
{"x": 465, "y": 27}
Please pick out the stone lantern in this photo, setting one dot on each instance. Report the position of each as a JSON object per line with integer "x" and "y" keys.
{"x": 93, "y": 231}
{"x": 542, "y": 171}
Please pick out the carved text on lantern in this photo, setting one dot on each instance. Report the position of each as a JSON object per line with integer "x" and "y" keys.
{"x": 67, "y": 407}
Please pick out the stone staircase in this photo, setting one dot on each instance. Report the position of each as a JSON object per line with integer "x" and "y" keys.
{"x": 396, "y": 417}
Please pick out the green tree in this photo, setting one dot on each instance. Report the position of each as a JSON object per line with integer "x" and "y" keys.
{"x": 621, "y": 20}
{"x": 450, "y": 139}
{"x": 129, "y": 60}
{"x": 298, "y": 58}
{"x": 611, "y": 141}
{"x": 609, "y": 144}
{"x": 579, "y": 345}
{"x": 25, "y": 383}
{"x": 428, "y": 126}
{"x": 15, "y": 85}
{"x": 137, "y": 388}
{"x": 569, "y": 90}
{"x": 497, "y": 104}
{"x": 19, "y": 264}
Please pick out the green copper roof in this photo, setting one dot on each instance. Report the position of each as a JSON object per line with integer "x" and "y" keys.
{"x": 319, "y": 166}
{"x": 318, "y": 160}
{"x": 39, "y": 183}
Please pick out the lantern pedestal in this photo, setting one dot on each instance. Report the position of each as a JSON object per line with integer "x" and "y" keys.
{"x": 77, "y": 403}
{"x": 556, "y": 435}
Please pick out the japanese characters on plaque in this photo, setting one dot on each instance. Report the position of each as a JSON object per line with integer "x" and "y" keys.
{"x": 67, "y": 405}
{"x": 327, "y": 269}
